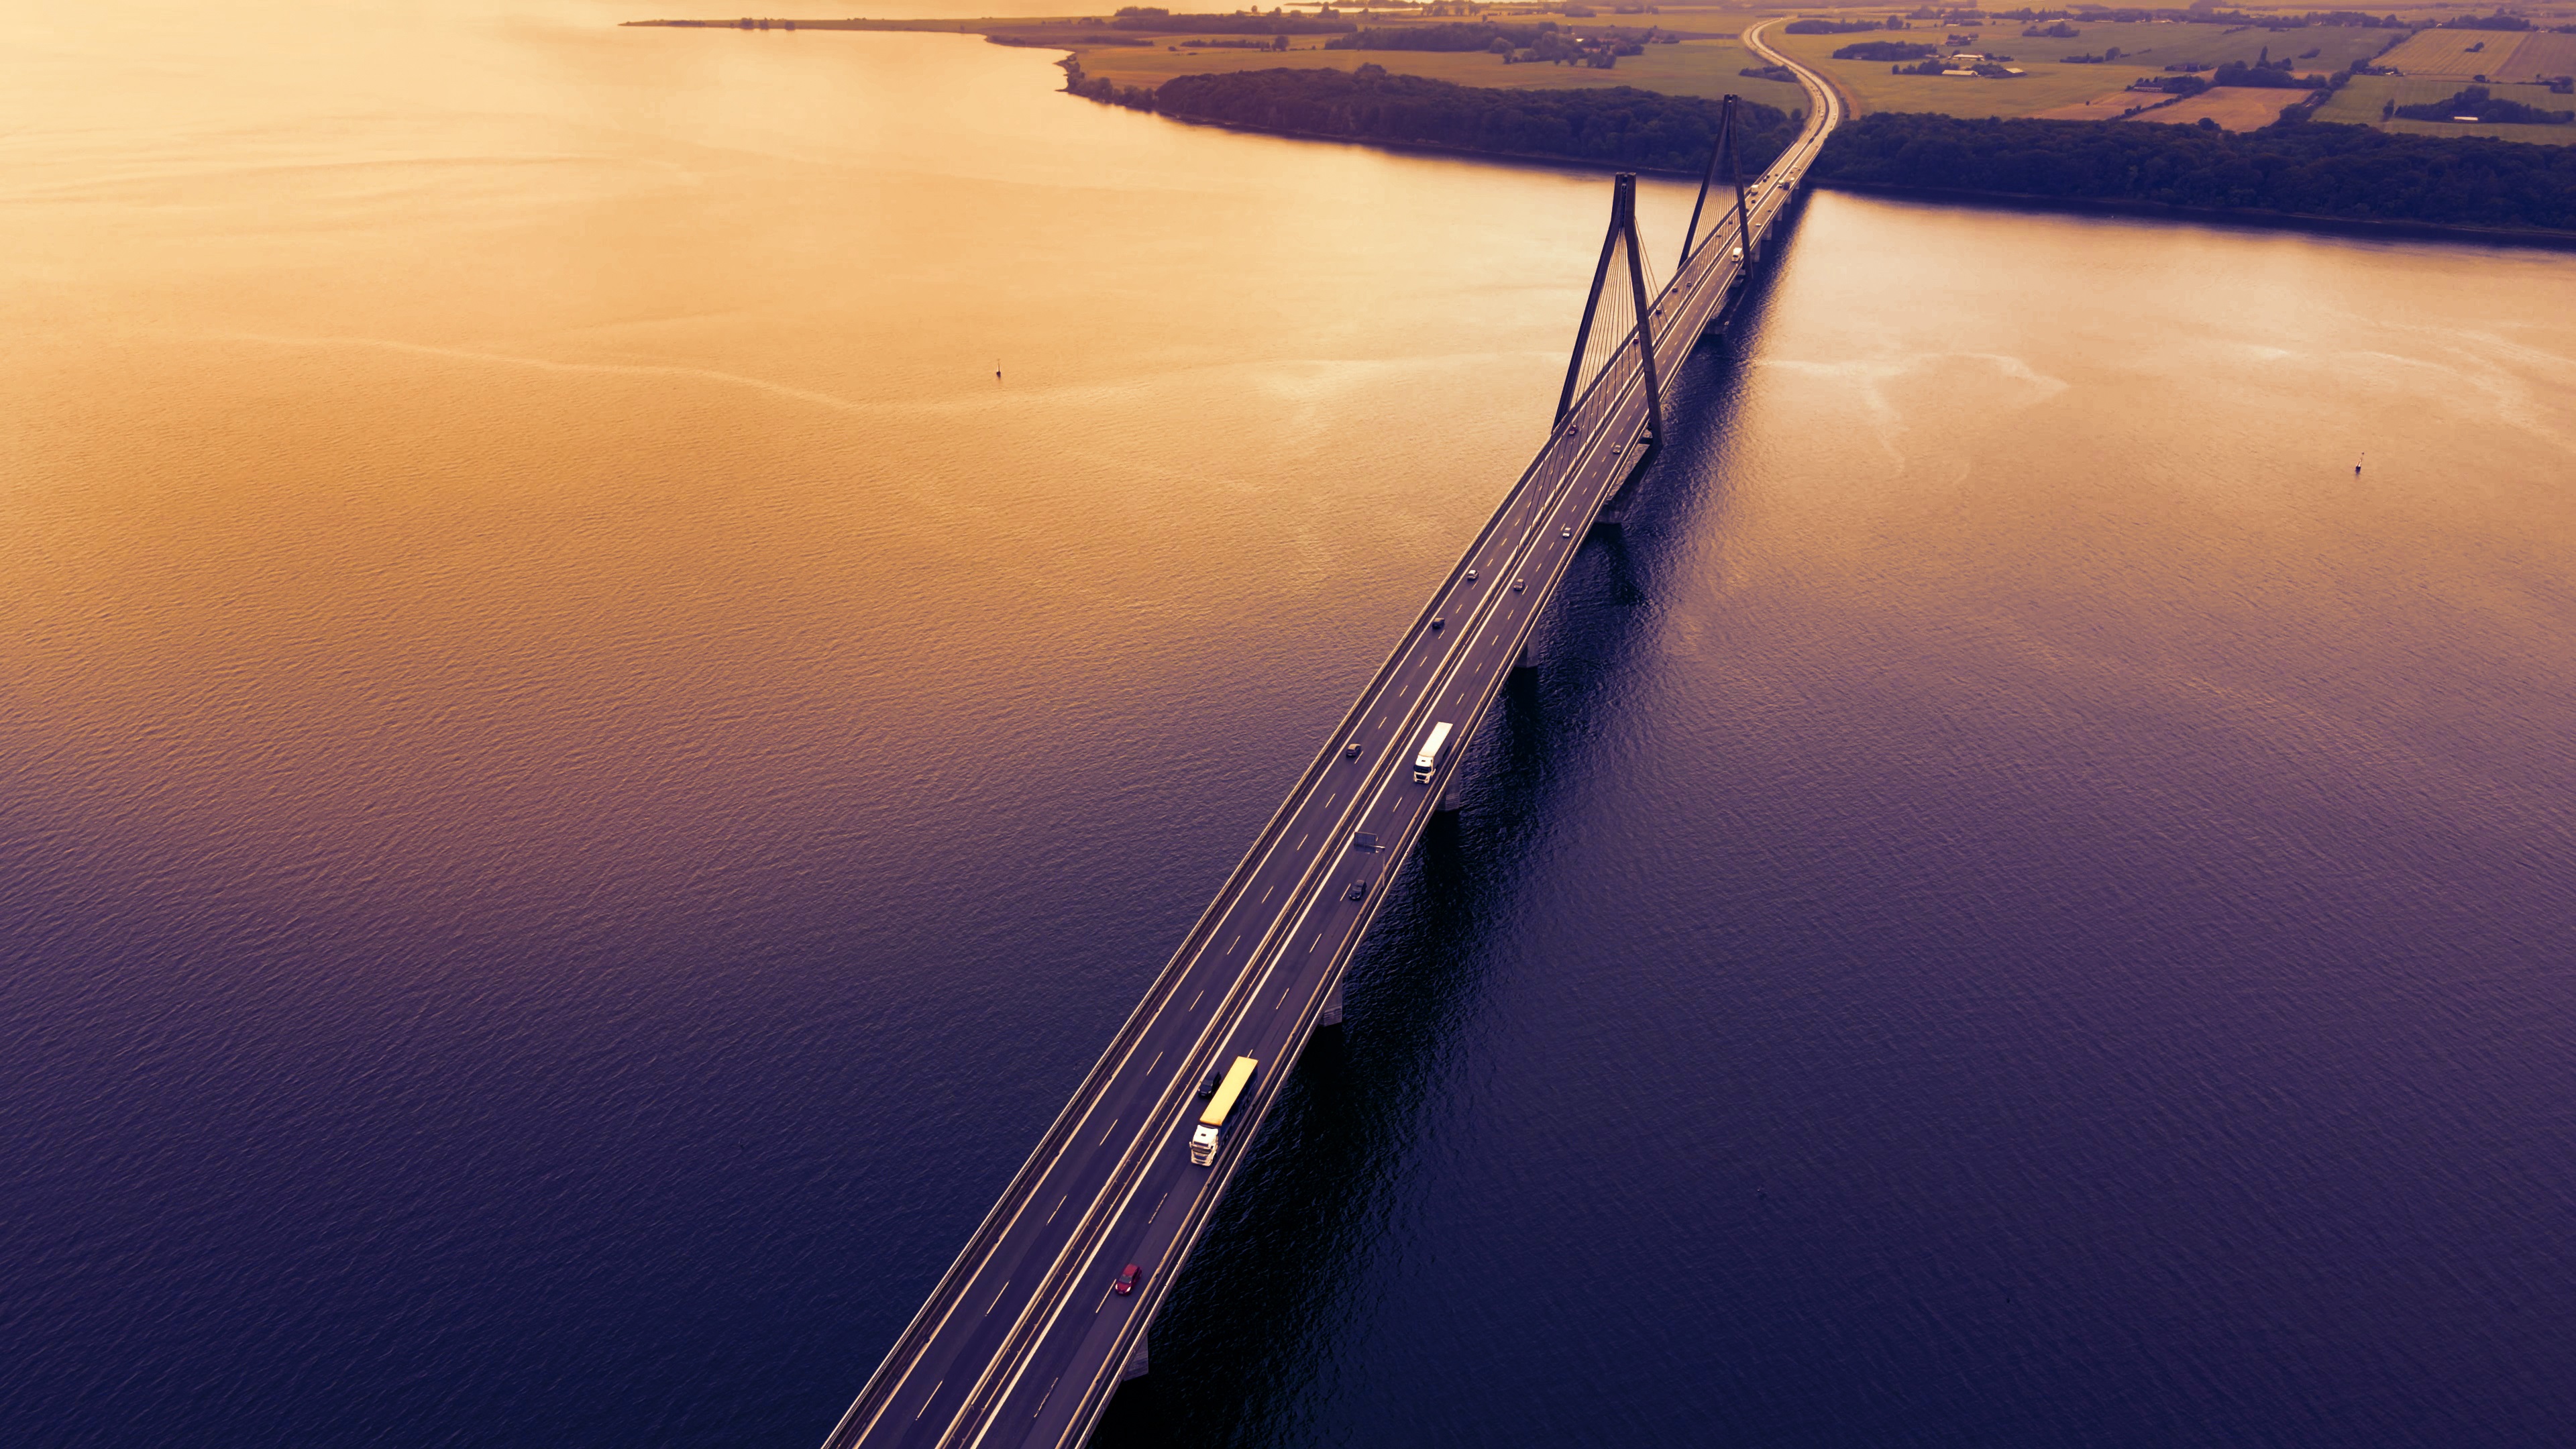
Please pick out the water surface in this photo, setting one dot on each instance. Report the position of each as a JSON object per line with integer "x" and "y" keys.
{"x": 579, "y": 777}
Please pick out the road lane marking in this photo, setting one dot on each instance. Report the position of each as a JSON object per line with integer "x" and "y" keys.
{"x": 925, "y": 1404}
{"x": 1265, "y": 895}
{"x": 1398, "y": 804}
{"x": 1149, "y": 1217}
{"x": 1194, "y": 1001}
{"x": 1237, "y": 941}
{"x": 1156, "y": 1062}
{"x": 1301, "y": 841}
{"x": 1283, "y": 999}
{"x": 1059, "y": 1207}
{"x": 989, "y": 1307}
{"x": 1049, "y": 1394}
{"x": 1113, "y": 1126}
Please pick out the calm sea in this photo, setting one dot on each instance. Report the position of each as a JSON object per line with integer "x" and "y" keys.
{"x": 620, "y": 650}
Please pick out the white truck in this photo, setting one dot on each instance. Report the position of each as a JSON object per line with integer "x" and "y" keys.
{"x": 1435, "y": 753}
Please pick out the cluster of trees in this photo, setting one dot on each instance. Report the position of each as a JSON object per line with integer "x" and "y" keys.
{"x": 2497, "y": 21}
{"x": 2348, "y": 172}
{"x": 1886, "y": 50}
{"x": 2265, "y": 72}
{"x": 2486, "y": 106}
{"x": 1483, "y": 35}
{"x": 2132, "y": 15}
{"x": 1545, "y": 41}
{"x": 1136, "y": 17}
{"x": 1613, "y": 125}
{"x": 1829, "y": 27}
{"x": 2105, "y": 58}
{"x": 1780, "y": 73}
{"x": 2059, "y": 31}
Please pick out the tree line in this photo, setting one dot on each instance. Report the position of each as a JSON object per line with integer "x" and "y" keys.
{"x": 1608, "y": 125}
{"x": 2332, "y": 171}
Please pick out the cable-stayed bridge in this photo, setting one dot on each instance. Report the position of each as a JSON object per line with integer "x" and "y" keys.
{"x": 1038, "y": 1321}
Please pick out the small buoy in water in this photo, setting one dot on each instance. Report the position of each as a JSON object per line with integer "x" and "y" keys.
{"x": 2356, "y": 465}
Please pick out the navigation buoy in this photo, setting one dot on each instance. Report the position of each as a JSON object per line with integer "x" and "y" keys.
{"x": 2356, "y": 465}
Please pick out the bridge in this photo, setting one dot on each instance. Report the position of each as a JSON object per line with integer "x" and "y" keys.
{"x": 1023, "y": 1341}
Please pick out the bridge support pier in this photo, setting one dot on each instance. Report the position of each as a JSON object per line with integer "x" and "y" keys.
{"x": 1332, "y": 1013}
{"x": 1137, "y": 1365}
{"x": 1525, "y": 661}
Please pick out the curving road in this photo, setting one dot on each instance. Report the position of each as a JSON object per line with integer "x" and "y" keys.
{"x": 1023, "y": 1342}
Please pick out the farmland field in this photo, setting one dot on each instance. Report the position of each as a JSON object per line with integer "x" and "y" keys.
{"x": 2361, "y": 99}
{"x": 2050, "y": 85}
{"x": 2448, "y": 53}
{"x": 1693, "y": 68}
{"x": 2109, "y": 107}
{"x": 2236, "y": 108}
{"x": 2541, "y": 56}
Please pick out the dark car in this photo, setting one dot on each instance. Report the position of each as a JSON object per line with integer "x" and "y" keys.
{"x": 1124, "y": 1283}
{"x": 1351, "y": 751}
{"x": 1358, "y": 890}
{"x": 1207, "y": 1084}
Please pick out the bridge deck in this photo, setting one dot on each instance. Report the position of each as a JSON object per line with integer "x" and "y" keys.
{"x": 1022, "y": 1341}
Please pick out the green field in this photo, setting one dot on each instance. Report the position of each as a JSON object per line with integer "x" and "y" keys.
{"x": 2438, "y": 61}
{"x": 2448, "y": 53}
{"x": 2359, "y": 103}
{"x": 1693, "y": 68}
{"x": 2049, "y": 83}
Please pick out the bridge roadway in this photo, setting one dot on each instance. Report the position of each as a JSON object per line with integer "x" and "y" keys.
{"x": 1022, "y": 1342}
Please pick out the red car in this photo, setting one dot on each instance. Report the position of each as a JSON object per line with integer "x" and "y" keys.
{"x": 1124, "y": 1283}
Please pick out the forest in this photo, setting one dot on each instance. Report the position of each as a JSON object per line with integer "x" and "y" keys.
{"x": 1609, "y": 125}
{"x": 2329, "y": 171}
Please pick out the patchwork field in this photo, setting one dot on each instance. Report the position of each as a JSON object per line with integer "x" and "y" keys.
{"x": 2360, "y": 102}
{"x": 2053, "y": 87}
{"x": 2101, "y": 108}
{"x": 2234, "y": 108}
{"x": 2541, "y": 56}
{"x": 1693, "y": 68}
{"x": 2460, "y": 53}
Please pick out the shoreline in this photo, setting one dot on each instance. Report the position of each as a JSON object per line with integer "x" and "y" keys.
{"x": 2248, "y": 217}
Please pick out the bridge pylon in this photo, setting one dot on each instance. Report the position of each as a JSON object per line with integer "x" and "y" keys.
{"x": 1623, "y": 228}
{"x": 1723, "y": 149}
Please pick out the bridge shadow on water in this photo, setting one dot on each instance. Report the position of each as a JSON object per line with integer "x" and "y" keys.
{"x": 1275, "y": 1304}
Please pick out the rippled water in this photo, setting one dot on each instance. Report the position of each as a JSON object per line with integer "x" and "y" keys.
{"x": 578, "y": 778}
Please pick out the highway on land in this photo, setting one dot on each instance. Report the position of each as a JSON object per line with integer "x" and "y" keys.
{"x": 1022, "y": 1342}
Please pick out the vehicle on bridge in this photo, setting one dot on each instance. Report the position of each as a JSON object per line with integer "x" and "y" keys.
{"x": 1435, "y": 753}
{"x": 1212, "y": 1122}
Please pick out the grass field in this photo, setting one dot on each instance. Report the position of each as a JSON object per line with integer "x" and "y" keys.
{"x": 2359, "y": 103}
{"x": 2540, "y": 57}
{"x": 1871, "y": 88}
{"x": 2107, "y": 107}
{"x": 2050, "y": 85}
{"x": 1693, "y": 68}
{"x": 2437, "y": 63}
{"x": 2448, "y": 53}
{"x": 2234, "y": 108}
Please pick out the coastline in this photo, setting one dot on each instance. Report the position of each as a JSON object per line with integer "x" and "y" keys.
{"x": 1048, "y": 34}
{"x": 2249, "y": 217}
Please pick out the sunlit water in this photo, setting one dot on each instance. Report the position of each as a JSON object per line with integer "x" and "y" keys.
{"x": 579, "y": 777}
